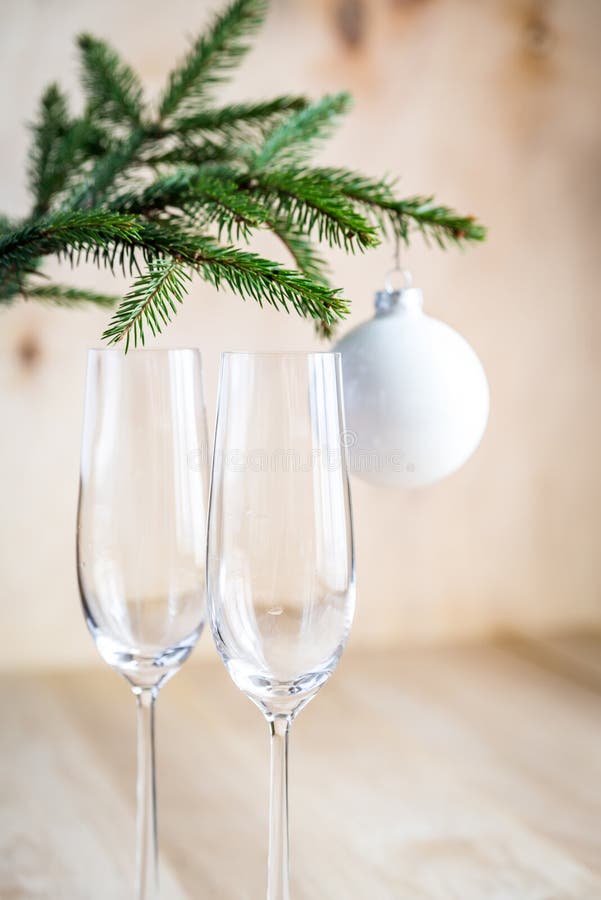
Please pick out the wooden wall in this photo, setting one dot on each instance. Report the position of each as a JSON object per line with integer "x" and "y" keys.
{"x": 492, "y": 105}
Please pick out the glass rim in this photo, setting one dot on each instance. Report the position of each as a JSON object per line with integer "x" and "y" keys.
{"x": 282, "y": 354}
{"x": 139, "y": 350}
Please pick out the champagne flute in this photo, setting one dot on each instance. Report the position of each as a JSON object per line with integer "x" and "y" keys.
{"x": 141, "y": 536}
{"x": 280, "y": 568}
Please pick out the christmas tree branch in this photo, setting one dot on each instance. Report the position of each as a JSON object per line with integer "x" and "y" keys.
{"x": 60, "y": 146}
{"x": 248, "y": 274}
{"x": 238, "y": 117}
{"x": 49, "y": 133}
{"x": 441, "y": 223}
{"x": 308, "y": 261}
{"x": 185, "y": 151}
{"x": 204, "y": 197}
{"x": 125, "y": 187}
{"x": 152, "y": 298}
{"x": 64, "y": 233}
{"x": 113, "y": 90}
{"x": 211, "y": 57}
{"x": 312, "y": 205}
{"x": 267, "y": 282}
{"x": 94, "y": 184}
{"x": 62, "y": 295}
{"x": 305, "y": 257}
{"x": 295, "y": 138}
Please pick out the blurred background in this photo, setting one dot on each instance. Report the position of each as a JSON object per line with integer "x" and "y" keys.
{"x": 491, "y": 106}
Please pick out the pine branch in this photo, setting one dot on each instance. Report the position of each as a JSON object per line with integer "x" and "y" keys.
{"x": 308, "y": 261}
{"x": 241, "y": 121}
{"x": 64, "y": 233}
{"x": 305, "y": 257}
{"x": 371, "y": 194}
{"x": 441, "y": 223}
{"x": 150, "y": 301}
{"x": 247, "y": 274}
{"x": 186, "y": 152}
{"x": 295, "y": 138}
{"x": 48, "y": 132}
{"x": 131, "y": 190}
{"x": 377, "y": 196}
{"x": 60, "y": 146}
{"x": 93, "y": 185}
{"x": 61, "y": 295}
{"x": 244, "y": 118}
{"x": 11, "y": 281}
{"x": 83, "y": 142}
{"x": 312, "y": 204}
{"x": 113, "y": 90}
{"x": 169, "y": 190}
{"x": 5, "y": 225}
{"x": 211, "y": 57}
{"x": 204, "y": 197}
{"x": 233, "y": 213}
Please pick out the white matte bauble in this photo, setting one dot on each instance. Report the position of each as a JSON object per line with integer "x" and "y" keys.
{"x": 416, "y": 395}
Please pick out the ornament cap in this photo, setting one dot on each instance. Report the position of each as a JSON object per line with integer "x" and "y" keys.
{"x": 408, "y": 300}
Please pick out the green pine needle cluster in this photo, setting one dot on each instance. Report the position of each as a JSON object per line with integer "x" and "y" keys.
{"x": 167, "y": 190}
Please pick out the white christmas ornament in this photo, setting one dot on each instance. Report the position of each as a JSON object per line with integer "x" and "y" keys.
{"x": 416, "y": 395}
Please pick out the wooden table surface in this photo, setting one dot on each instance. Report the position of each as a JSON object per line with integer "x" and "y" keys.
{"x": 419, "y": 774}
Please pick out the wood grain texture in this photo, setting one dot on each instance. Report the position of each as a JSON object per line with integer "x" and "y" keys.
{"x": 422, "y": 775}
{"x": 492, "y": 106}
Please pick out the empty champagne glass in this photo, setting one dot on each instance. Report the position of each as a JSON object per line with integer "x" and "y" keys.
{"x": 141, "y": 536}
{"x": 280, "y": 572}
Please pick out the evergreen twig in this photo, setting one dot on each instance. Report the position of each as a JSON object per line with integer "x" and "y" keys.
{"x": 66, "y": 232}
{"x": 113, "y": 90}
{"x": 305, "y": 257}
{"x": 205, "y": 197}
{"x": 155, "y": 194}
{"x": 248, "y": 274}
{"x": 152, "y": 298}
{"x": 239, "y": 117}
{"x": 441, "y": 223}
{"x": 48, "y": 132}
{"x": 313, "y": 205}
{"x": 63, "y": 295}
{"x": 295, "y": 138}
{"x": 212, "y": 56}
{"x": 106, "y": 171}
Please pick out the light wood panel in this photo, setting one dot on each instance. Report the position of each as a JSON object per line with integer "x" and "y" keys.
{"x": 492, "y": 106}
{"x": 422, "y": 775}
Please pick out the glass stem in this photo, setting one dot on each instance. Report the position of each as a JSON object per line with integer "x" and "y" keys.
{"x": 146, "y": 845}
{"x": 278, "y": 875}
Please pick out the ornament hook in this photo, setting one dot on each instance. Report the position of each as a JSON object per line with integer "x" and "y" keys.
{"x": 397, "y": 252}
{"x": 389, "y": 283}
{"x": 397, "y": 270}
